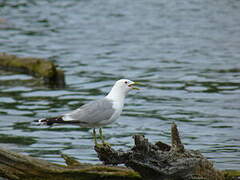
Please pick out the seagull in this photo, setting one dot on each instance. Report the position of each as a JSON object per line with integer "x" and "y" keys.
{"x": 98, "y": 113}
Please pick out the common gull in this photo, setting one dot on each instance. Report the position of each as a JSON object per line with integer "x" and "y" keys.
{"x": 98, "y": 113}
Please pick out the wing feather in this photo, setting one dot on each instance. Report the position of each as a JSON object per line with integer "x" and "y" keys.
{"x": 92, "y": 113}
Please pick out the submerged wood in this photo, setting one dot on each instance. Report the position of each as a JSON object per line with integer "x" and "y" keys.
{"x": 16, "y": 166}
{"x": 162, "y": 161}
{"x": 34, "y": 66}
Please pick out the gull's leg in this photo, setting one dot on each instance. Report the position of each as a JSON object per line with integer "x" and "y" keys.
{"x": 101, "y": 135}
{"x": 94, "y": 136}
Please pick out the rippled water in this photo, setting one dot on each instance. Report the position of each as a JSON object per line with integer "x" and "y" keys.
{"x": 187, "y": 53}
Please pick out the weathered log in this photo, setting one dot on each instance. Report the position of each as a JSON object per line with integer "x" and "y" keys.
{"x": 162, "y": 161}
{"x": 16, "y": 166}
{"x": 34, "y": 66}
{"x": 157, "y": 161}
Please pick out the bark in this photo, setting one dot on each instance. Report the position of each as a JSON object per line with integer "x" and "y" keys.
{"x": 16, "y": 166}
{"x": 162, "y": 161}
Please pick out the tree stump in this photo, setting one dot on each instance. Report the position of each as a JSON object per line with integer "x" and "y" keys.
{"x": 162, "y": 161}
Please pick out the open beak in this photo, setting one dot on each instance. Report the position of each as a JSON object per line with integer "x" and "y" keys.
{"x": 135, "y": 83}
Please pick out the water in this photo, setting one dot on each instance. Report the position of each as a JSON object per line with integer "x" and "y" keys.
{"x": 187, "y": 53}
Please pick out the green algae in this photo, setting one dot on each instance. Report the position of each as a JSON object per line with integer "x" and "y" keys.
{"x": 34, "y": 66}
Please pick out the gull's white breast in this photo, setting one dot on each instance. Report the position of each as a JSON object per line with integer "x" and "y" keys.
{"x": 117, "y": 106}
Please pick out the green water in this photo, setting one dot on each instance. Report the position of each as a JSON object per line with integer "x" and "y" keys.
{"x": 187, "y": 53}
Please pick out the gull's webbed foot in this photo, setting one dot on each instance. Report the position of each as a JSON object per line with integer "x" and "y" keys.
{"x": 95, "y": 137}
{"x": 102, "y": 138}
{"x": 104, "y": 143}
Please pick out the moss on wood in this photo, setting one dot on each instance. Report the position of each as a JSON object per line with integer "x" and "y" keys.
{"x": 16, "y": 166}
{"x": 232, "y": 174}
{"x": 34, "y": 66}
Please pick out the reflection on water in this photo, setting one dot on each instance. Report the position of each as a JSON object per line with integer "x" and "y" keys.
{"x": 187, "y": 54}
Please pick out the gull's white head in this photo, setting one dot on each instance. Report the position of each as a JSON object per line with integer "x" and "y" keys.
{"x": 125, "y": 85}
{"x": 122, "y": 87}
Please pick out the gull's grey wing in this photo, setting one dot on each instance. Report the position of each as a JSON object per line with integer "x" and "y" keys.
{"x": 93, "y": 113}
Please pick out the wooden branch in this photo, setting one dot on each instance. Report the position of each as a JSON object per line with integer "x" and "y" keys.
{"x": 161, "y": 161}
{"x": 15, "y": 166}
{"x": 34, "y": 66}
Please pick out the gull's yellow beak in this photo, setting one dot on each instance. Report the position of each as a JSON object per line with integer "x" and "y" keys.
{"x": 135, "y": 83}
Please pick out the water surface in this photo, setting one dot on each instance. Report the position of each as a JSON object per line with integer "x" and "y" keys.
{"x": 187, "y": 53}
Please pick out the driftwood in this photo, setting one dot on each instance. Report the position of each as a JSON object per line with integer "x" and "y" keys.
{"x": 157, "y": 161}
{"x": 161, "y": 161}
{"x": 15, "y": 166}
{"x": 34, "y": 66}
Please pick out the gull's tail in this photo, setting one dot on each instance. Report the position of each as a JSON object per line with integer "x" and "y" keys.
{"x": 51, "y": 121}
{"x": 57, "y": 120}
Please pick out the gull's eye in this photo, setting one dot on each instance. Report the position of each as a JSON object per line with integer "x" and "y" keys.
{"x": 125, "y": 82}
